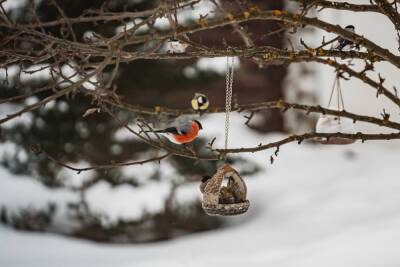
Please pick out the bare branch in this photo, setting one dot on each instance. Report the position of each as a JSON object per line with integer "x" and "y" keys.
{"x": 300, "y": 138}
{"x": 39, "y": 150}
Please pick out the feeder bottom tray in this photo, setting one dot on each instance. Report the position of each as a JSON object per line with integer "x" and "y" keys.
{"x": 334, "y": 141}
{"x": 226, "y": 209}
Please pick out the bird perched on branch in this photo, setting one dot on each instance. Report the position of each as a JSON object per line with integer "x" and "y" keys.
{"x": 343, "y": 42}
{"x": 182, "y": 132}
{"x": 200, "y": 102}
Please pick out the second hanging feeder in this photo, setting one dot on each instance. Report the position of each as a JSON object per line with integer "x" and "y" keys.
{"x": 334, "y": 123}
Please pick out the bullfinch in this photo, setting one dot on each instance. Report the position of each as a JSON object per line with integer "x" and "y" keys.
{"x": 184, "y": 131}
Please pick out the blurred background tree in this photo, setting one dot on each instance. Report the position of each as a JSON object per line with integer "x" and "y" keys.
{"x": 60, "y": 129}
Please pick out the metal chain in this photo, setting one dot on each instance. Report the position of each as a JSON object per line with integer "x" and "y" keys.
{"x": 228, "y": 95}
{"x": 339, "y": 98}
{"x": 340, "y": 102}
{"x": 340, "y": 93}
{"x": 332, "y": 91}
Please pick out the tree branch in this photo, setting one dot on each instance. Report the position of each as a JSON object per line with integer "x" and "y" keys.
{"x": 303, "y": 137}
{"x": 39, "y": 150}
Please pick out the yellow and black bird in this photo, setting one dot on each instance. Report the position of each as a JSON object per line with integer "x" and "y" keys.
{"x": 200, "y": 102}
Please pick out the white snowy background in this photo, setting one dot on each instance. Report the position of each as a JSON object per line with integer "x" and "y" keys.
{"x": 315, "y": 206}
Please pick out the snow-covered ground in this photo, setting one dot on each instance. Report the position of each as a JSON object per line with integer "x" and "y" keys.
{"x": 315, "y": 206}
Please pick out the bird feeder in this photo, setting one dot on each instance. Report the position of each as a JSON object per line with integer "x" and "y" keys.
{"x": 225, "y": 200}
{"x": 334, "y": 123}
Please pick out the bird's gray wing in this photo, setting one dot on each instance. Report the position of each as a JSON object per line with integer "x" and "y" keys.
{"x": 183, "y": 125}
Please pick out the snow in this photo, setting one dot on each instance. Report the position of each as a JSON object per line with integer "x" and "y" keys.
{"x": 22, "y": 192}
{"x": 315, "y": 206}
{"x": 176, "y": 47}
{"x": 9, "y": 150}
{"x": 131, "y": 24}
{"x": 7, "y": 109}
{"x": 6, "y": 74}
{"x": 69, "y": 70}
{"x": 216, "y": 64}
{"x": 36, "y": 72}
{"x": 63, "y": 106}
{"x": 142, "y": 173}
{"x": 187, "y": 193}
{"x": 10, "y": 108}
{"x": 125, "y": 202}
{"x": 203, "y": 8}
{"x": 123, "y": 134}
{"x": 9, "y": 5}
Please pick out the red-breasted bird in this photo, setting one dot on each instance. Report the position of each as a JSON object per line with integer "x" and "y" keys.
{"x": 184, "y": 131}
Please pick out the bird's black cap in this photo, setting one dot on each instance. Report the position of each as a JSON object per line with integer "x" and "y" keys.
{"x": 198, "y": 123}
{"x": 350, "y": 27}
{"x": 202, "y": 99}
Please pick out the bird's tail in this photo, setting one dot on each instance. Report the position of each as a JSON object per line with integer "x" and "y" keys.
{"x": 167, "y": 130}
{"x": 155, "y": 131}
